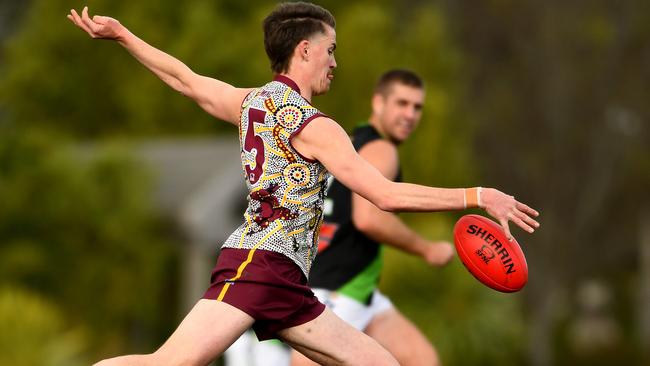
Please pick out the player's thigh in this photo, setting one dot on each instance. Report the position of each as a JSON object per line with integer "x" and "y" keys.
{"x": 402, "y": 339}
{"x": 209, "y": 328}
{"x": 298, "y": 359}
{"x": 350, "y": 310}
{"x": 328, "y": 340}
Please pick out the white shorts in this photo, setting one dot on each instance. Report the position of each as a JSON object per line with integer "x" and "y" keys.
{"x": 248, "y": 351}
{"x": 352, "y": 311}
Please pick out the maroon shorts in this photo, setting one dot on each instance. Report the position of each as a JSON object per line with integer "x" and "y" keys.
{"x": 266, "y": 285}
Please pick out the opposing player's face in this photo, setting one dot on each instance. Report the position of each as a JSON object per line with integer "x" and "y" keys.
{"x": 399, "y": 111}
{"x": 322, "y": 47}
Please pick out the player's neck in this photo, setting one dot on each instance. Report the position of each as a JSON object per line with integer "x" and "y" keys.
{"x": 376, "y": 124}
{"x": 302, "y": 82}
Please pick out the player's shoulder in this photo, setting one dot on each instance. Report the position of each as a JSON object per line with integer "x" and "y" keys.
{"x": 365, "y": 133}
{"x": 379, "y": 146}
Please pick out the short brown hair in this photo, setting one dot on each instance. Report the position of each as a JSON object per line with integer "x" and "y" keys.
{"x": 405, "y": 77}
{"x": 289, "y": 24}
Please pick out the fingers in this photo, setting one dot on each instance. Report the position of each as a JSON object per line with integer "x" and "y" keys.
{"x": 100, "y": 19}
{"x": 76, "y": 19}
{"x": 442, "y": 242}
{"x": 519, "y": 221}
{"x": 522, "y": 217}
{"x": 506, "y": 228}
{"x": 439, "y": 253}
{"x": 527, "y": 219}
{"x": 87, "y": 21}
{"x": 507, "y": 208}
{"x": 524, "y": 208}
{"x": 83, "y": 21}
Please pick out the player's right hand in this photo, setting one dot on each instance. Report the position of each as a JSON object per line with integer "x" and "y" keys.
{"x": 438, "y": 253}
{"x": 97, "y": 27}
{"x": 506, "y": 208}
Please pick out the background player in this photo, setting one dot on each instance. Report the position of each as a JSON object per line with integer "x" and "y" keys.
{"x": 346, "y": 272}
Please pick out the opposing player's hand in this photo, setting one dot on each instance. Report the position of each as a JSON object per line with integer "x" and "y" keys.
{"x": 438, "y": 253}
{"x": 98, "y": 26}
{"x": 506, "y": 208}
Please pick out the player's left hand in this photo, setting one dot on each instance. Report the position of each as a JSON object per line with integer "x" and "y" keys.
{"x": 438, "y": 253}
{"x": 98, "y": 26}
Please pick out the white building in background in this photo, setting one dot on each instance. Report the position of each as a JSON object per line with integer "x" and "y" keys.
{"x": 199, "y": 183}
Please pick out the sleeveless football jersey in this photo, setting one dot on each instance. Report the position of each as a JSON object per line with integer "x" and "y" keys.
{"x": 287, "y": 190}
{"x": 348, "y": 261}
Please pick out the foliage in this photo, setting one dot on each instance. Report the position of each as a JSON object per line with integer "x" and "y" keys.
{"x": 56, "y": 77}
{"x": 557, "y": 93}
{"x": 84, "y": 236}
{"x": 32, "y": 332}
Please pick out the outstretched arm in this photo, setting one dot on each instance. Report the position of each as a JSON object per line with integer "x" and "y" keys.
{"x": 324, "y": 140}
{"x": 219, "y": 99}
{"x": 386, "y": 227}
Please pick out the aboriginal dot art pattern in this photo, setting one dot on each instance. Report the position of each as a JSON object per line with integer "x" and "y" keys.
{"x": 286, "y": 196}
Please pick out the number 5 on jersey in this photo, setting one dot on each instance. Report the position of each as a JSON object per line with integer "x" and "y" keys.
{"x": 254, "y": 145}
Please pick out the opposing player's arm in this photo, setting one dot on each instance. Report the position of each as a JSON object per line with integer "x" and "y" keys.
{"x": 386, "y": 227}
{"x": 216, "y": 97}
{"x": 324, "y": 140}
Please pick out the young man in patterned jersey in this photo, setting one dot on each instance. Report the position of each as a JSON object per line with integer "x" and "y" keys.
{"x": 345, "y": 273}
{"x": 287, "y": 149}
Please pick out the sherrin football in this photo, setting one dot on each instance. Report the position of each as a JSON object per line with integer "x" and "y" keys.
{"x": 485, "y": 251}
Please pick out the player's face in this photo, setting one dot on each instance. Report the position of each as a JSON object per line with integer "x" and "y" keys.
{"x": 322, "y": 47}
{"x": 399, "y": 111}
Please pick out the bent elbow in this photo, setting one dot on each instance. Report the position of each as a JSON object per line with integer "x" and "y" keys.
{"x": 363, "y": 224}
{"x": 389, "y": 197}
{"x": 367, "y": 221}
{"x": 387, "y": 202}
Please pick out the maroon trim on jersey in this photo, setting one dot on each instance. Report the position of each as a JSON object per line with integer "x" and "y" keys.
{"x": 296, "y": 132}
{"x": 286, "y": 80}
{"x": 292, "y": 84}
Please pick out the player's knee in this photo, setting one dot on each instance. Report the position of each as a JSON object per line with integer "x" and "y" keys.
{"x": 382, "y": 358}
{"x": 385, "y": 360}
{"x": 426, "y": 359}
{"x": 109, "y": 362}
{"x": 424, "y": 356}
{"x": 435, "y": 360}
{"x": 144, "y": 360}
{"x": 178, "y": 359}
{"x": 431, "y": 356}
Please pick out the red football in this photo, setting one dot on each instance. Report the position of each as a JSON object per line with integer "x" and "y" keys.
{"x": 485, "y": 251}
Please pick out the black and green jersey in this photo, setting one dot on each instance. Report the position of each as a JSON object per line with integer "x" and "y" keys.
{"x": 348, "y": 261}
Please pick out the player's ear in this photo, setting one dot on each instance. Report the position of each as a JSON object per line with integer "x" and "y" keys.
{"x": 302, "y": 50}
{"x": 377, "y": 103}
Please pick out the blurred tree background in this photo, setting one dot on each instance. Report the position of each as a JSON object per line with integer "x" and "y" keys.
{"x": 543, "y": 99}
